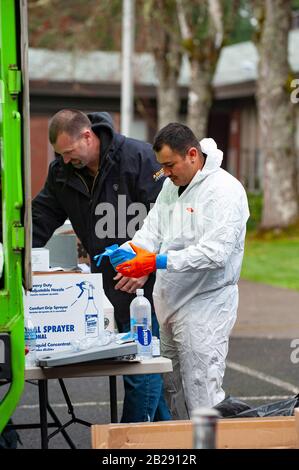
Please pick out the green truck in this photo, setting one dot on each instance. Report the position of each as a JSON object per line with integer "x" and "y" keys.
{"x": 15, "y": 222}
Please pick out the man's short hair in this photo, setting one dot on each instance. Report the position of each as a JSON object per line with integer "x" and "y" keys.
{"x": 70, "y": 121}
{"x": 178, "y": 137}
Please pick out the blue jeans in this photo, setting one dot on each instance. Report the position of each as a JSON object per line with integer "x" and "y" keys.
{"x": 144, "y": 394}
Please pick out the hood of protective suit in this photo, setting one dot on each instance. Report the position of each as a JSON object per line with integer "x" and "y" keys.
{"x": 214, "y": 157}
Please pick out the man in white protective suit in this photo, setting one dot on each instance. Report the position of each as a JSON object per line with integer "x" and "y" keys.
{"x": 194, "y": 238}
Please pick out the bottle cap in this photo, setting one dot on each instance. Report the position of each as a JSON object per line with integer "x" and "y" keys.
{"x": 139, "y": 292}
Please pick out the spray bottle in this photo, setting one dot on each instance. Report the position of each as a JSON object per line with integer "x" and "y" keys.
{"x": 91, "y": 313}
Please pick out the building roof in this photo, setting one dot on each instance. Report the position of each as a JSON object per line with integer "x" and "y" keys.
{"x": 237, "y": 65}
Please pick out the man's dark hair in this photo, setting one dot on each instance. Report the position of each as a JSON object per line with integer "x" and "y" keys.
{"x": 178, "y": 137}
{"x": 70, "y": 121}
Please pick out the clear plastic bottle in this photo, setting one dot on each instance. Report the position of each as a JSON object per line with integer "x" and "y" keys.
{"x": 30, "y": 342}
{"x": 156, "y": 346}
{"x": 141, "y": 324}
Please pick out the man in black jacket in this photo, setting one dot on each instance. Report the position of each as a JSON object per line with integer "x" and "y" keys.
{"x": 99, "y": 180}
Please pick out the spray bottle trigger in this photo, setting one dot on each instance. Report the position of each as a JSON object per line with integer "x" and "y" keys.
{"x": 81, "y": 287}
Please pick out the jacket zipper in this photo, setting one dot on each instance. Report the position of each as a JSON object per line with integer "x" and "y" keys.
{"x": 94, "y": 182}
{"x": 84, "y": 182}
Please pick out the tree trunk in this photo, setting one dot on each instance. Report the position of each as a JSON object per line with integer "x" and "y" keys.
{"x": 199, "y": 98}
{"x": 168, "y": 90}
{"x": 202, "y": 26}
{"x": 164, "y": 38}
{"x": 276, "y": 118}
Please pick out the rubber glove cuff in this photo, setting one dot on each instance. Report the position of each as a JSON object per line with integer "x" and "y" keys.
{"x": 161, "y": 262}
{"x": 108, "y": 251}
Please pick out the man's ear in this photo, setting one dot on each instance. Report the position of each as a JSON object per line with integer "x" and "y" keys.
{"x": 87, "y": 134}
{"x": 193, "y": 152}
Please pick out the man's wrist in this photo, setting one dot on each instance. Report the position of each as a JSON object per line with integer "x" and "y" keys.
{"x": 161, "y": 261}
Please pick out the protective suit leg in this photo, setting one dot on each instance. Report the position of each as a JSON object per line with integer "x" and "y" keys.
{"x": 199, "y": 334}
{"x": 173, "y": 385}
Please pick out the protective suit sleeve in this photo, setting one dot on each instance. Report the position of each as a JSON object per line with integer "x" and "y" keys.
{"x": 225, "y": 221}
{"x": 47, "y": 215}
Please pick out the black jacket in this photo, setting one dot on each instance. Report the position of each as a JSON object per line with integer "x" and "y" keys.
{"x": 129, "y": 173}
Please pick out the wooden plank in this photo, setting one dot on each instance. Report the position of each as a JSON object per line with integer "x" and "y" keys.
{"x": 245, "y": 433}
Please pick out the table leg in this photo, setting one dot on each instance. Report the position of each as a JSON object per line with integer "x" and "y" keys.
{"x": 43, "y": 398}
{"x": 113, "y": 399}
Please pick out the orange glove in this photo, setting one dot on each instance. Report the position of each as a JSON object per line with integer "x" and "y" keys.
{"x": 142, "y": 264}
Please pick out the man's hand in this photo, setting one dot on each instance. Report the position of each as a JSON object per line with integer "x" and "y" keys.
{"x": 129, "y": 284}
{"x": 142, "y": 264}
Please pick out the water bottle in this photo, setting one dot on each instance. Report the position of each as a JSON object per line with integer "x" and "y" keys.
{"x": 155, "y": 346}
{"x": 30, "y": 342}
{"x": 204, "y": 428}
{"x": 141, "y": 324}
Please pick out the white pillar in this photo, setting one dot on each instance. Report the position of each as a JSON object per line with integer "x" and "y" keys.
{"x": 127, "y": 98}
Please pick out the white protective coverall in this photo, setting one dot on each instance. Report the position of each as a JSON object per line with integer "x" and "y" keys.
{"x": 202, "y": 231}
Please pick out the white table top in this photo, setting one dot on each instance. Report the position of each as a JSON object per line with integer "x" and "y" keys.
{"x": 155, "y": 365}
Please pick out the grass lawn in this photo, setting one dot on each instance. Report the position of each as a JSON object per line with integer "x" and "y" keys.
{"x": 274, "y": 262}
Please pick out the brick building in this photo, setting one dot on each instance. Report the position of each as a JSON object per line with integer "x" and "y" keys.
{"x": 91, "y": 82}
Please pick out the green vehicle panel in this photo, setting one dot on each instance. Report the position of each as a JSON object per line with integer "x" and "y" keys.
{"x": 15, "y": 200}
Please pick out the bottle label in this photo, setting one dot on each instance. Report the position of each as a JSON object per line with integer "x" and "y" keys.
{"x": 91, "y": 324}
{"x": 144, "y": 336}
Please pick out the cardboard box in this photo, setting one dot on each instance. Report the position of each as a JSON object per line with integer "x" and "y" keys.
{"x": 40, "y": 259}
{"x": 63, "y": 251}
{"x": 63, "y": 308}
{"x": 237, "y": 433}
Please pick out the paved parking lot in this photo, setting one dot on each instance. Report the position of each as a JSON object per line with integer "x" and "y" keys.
{"x": 259, "y": 367}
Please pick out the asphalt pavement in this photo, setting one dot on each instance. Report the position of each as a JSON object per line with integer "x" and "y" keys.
{"x": 262, "y": 367}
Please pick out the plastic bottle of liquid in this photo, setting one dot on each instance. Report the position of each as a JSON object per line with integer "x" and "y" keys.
{"x": 141, "y": 324}
{"x": 91, "y": 316}
{"x": 156, "y": 346}
{"x": 30, "y": 342}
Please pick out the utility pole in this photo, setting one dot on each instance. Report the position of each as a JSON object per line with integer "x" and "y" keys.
{"x": 128, "y": 34}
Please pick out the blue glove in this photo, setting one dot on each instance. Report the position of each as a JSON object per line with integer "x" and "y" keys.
{"x": 120, "y": 256}
{"x": 108, "y": 251}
